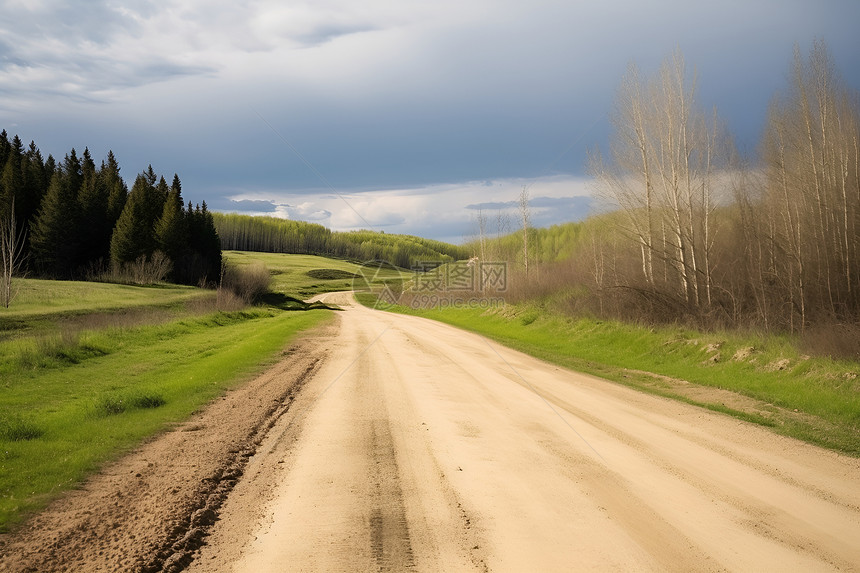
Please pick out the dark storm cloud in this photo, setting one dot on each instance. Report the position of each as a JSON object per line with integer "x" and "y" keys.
{"x": 380, "y": 95}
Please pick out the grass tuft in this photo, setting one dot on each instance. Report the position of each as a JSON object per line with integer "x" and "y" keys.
{"x": 110, "y": 405}
{"x": 14, "y": 428}
{"x": 114, "y": 404}
{"x": 147, "y": 400}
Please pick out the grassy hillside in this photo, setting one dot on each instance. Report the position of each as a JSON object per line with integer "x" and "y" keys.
{"x": 303, "y": 276}
{"x": 274, "y": 235}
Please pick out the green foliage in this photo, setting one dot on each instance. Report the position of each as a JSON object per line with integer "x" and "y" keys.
{"x": 54, "y": 241}
{"x": 78, "y": 216}
{"x": 204, "y": 263}
{"x": 97, "y": 224}
{"x": 171, "y": 230}
{"x": 114, "y": 404}
{"x": 273, "y": 235}
{"x": 134, "y": 235}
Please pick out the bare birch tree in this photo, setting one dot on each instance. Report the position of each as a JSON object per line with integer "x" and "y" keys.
{"x": 482, "y": 233}
{"x": 661, "y": 174}
{"x": 11, "y": 255}
{"x": 525, "y": 218}
{"x": 812, "y": 190}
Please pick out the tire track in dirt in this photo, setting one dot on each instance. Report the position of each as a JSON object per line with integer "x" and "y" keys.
{"x": 389, "y": 530}
{"x": 152, "y": 509}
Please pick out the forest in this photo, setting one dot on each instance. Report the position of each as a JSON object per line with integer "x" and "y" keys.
{"x": 693, "y": 232}
{"x": 75, "y": 220}
{"x": 273, "y": 235}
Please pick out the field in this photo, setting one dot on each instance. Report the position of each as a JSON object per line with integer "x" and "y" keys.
{"x": 88, "y": 370}
{"x": 307, "y": 275}
{"x": 765, "y": 380}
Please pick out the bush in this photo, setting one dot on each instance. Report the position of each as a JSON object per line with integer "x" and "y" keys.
{"x": 248, "y": 283}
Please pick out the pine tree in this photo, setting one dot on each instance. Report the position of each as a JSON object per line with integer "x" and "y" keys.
{"x": 72, "y": 171}
{"x": 205, "y": 259}
{"x": 134, "y": 234}
{"x": 95, "y": 224}
{"x": 116, "y": 187}
{"x": 210, "y": 242}
{"x": 4, "y": 147}
{"x": 171, "y": 232}
{"x": 35, "y": 182}
{"x": 11, "y": 183}
{"x": 54, "y": 241}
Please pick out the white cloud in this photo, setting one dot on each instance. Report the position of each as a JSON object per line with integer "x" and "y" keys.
{"x": 446, "y": 212}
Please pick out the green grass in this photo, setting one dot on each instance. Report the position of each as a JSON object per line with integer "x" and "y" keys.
{"x": 813, "y": 399}
{"x": 306, "y": 275}
{"x": 78, "y": 390}
{"x": 42, "y": 297}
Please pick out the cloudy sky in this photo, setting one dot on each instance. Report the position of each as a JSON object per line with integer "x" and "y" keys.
{"x": 398, "y": 115}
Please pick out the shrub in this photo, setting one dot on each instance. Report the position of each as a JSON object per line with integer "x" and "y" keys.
{"x": 248, "y": 283}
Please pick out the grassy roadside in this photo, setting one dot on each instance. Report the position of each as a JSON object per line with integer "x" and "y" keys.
{"x": 88, "y": 370}
{"x": 762, "y": 380}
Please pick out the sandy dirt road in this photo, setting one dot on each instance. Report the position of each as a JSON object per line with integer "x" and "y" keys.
{"x": 416, "y": 446}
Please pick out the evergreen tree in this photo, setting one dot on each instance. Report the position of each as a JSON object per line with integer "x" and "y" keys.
{"x": 210, "y": 242}
{"x": 35, "y": 183}
{"x": 4, "y": 147}
{"x": 205, "y": 259}
{"x": 96, "y": 226}
{"x": 171, "y": 232}
{"x": 11, "y": 182}
{"x": 54, "y": 241}
{"x": 50, "y": 169}
{"x": 116, "y": 187}
{"x": 72, "y": 171}
{"x": 134, "y": 234}
{"x": 162, "y": 189}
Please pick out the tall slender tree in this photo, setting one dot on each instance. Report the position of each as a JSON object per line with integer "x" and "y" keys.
{"x": 134, "y": 234}
{"x": 55, "y": 242}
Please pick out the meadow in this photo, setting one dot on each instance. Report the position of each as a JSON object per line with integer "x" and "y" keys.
{"x": 307, "y": 275}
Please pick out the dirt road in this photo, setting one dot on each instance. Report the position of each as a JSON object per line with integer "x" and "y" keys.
{"x": 416, "y": 446}
{"x": 391, "y": 443}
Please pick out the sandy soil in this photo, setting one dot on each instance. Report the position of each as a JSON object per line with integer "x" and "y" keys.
{"x": 416, "y": 446}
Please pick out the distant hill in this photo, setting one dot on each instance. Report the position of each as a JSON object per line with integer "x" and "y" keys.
{"x": 274, "y": 235}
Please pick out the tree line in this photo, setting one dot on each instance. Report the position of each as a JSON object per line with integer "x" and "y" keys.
{"x": 771, "y": 241}
{"x": 274, "y": 235}
{"x": 79, "y": 220}
{"x": 693, "y": 231}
